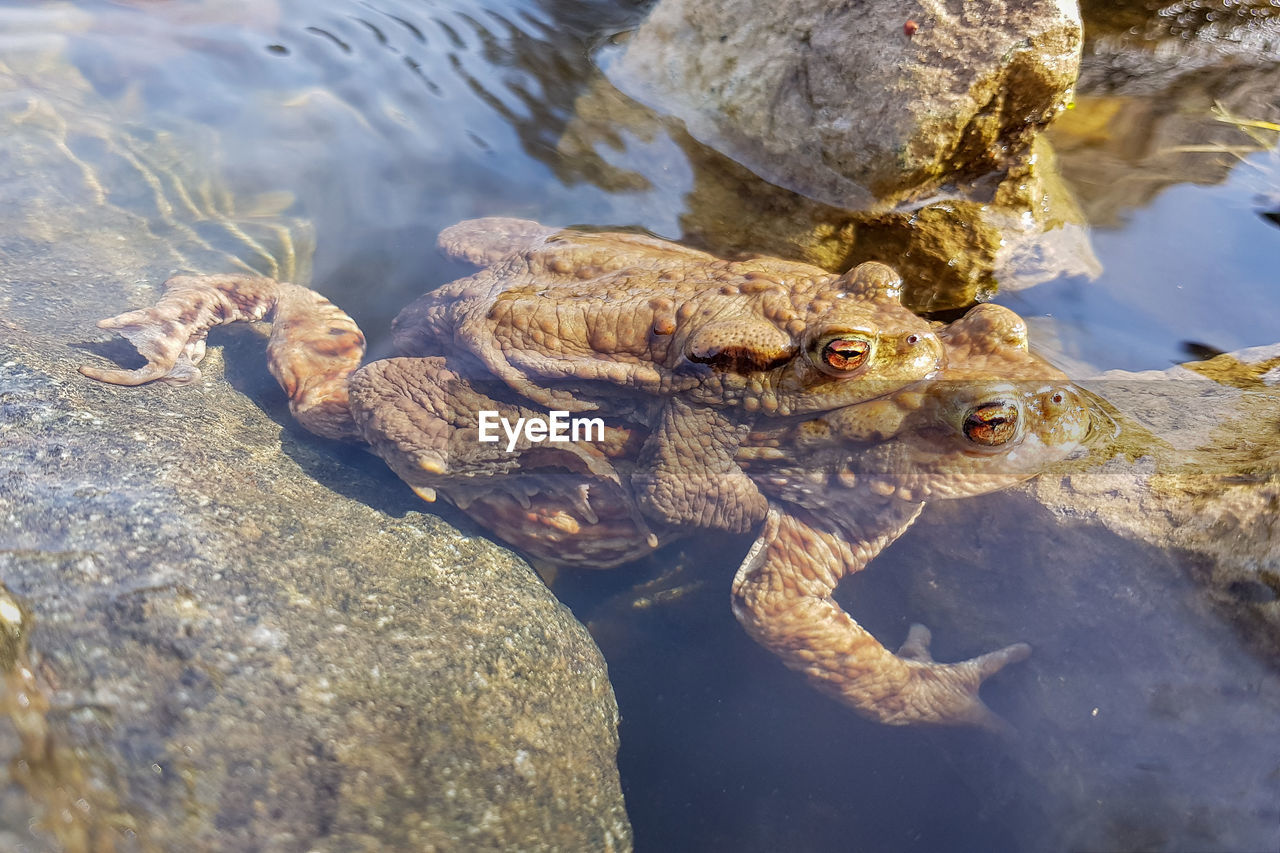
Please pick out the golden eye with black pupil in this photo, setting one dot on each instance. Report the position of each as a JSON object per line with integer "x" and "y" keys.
{"x": 991, "y": 424}
{"x": 844, "y": 355}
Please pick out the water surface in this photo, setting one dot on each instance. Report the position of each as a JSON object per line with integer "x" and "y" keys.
{"x": 330, "y": 141}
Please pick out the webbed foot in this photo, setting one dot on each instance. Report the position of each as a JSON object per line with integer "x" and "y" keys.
{"x": 782, "y": 597}
{"x": 947, "y": 693}
{"x": 171, "y": 335}
{"x": 314, "y": 346}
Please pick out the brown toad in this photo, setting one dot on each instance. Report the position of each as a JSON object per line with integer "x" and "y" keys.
{"x": 620, "y": 323}
{"x": 580, "y": 321}
{"x": 842, "y": 485}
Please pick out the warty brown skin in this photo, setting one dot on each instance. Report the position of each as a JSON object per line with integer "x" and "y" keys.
{"x": 845, "y": 484}
{"x": 581, "y": 321}
{"x": 616, "y": 309}
{"x": 620, "y": 323}
{"x": 563, "y": 503}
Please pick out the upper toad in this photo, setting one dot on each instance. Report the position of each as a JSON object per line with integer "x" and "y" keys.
{"x": 582, "y": 320}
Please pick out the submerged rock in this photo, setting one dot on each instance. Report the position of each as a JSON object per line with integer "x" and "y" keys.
{"x": 951, "y": 252}
{"x": 246, "y": 639}
{"x": 857, "y": 105}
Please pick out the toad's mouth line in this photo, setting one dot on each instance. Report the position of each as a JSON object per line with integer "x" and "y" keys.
{"x": 554, "y": 426}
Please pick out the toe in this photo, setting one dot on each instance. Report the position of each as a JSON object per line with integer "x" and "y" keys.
{"x": 916, "y": 646}
{"x": 992, "y": 662}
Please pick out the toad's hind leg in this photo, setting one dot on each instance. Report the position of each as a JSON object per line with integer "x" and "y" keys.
{"x": 314, "y": 346}
{"x": 782, "y": 596}
{"x": 424, "y": 420}
{"x": 687, "y": 474}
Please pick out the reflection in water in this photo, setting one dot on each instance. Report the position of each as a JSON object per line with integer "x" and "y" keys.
{"x": 1180, "y": 261}
{"x": 1161, "y": 95}
{"x": 341, "y": 106}
{"x": 1184, "y": 20}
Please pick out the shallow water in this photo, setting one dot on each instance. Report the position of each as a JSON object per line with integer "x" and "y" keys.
{"x": 1197, "y": 264}
{"x": 382, "y": 123}
{"x": 365, "y": 128}
{"x": 279, "y": 97}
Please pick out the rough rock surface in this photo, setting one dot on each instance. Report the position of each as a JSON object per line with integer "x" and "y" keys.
{"x": 838, "y": 102}
{"x": 247, "y": 639}
{"x": 951, "y": 253}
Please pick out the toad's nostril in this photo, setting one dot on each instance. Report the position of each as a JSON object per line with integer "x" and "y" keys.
{"x": 912, "y": 340}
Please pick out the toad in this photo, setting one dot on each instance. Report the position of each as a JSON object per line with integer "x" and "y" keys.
{"x": 842, "y": 485}
{"x": 620, "y": 323}
{"x": 582, "y": 321}
{"x": 845, "y": 484}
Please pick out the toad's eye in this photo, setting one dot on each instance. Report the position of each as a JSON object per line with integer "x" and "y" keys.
{"x": 991, "y": 424}
{"x": 843, "y": 354}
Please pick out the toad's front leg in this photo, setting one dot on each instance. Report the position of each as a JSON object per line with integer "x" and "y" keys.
{"x": 686, "y": 474}
{"x": 782, "y": 596}
{"x": 314, "y": 346}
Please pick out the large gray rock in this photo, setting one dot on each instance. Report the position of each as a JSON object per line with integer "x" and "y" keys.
{"x": 836, "y": 101}
{"x": 244, "y": 638}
